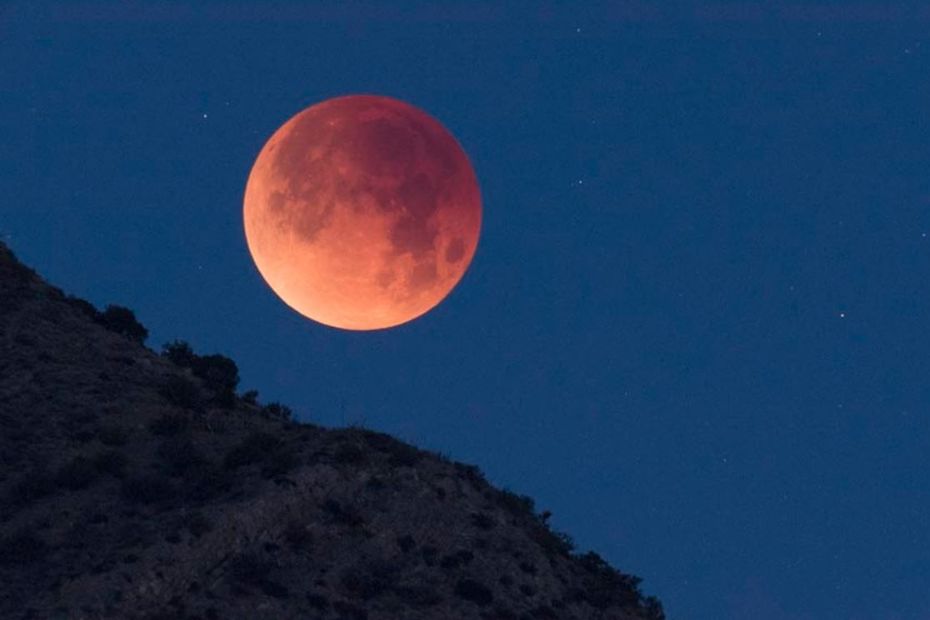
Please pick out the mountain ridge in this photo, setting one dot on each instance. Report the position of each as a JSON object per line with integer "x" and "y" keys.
{"x": 142, "y": 485}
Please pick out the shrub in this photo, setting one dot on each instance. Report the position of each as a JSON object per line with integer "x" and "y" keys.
{"x": 607, "y": 586}
{"x": 404, "y": 455}
{"x": 207, "y": 482}
{"x": 112, "y": 435}
{"x": 317, "y": 601}
{"x": 249, "y": 569}
{"x": 552, "y": 542}
{"x": 254, "y": 448}
{"x": 111, "y": 462}
{"x": 518, "y": 505}
{"x": 368, "y": 581}
{"x": 399, "y": 453}
{"x": 84, "y": 307}
{"x": 298, "y": 536}
{"x": 122, "y": 321}
{"x": 348, "y": 454}
{"x": 470, "y": 472}
{"x": 348, "y": 611}
{"x": 78, "y": 473}
{"x": 180, "y": 353}
{"x": 652, "y": 608}
{"x": 471, "y": 590}
{"x": 279, "y": 462}
{"x": 169, "y": 425}
{"x": 278, "y": 411}
{"x": 22, "y": 547}
{"x": 31, "y": 487}
{"x": 146, "y": 489}
{"x": 274, "y": 589}
{"x": 379, "y": 441}
{"x": 250, "y": 397}
{"x": 180, "y": 456}
{"x": 483, "y": 520}
{"x": 225, "y": 398}
{"x": 418, "y": 595}
{"x": 406, "y": 543}
{"x": 197, "y": 524}
{"x": 83, "y": 435}
{"x": 219, "y": 373}
{"x": 346, "y": 515}
{"x": 544, "y": 612}
{"x": 181, "y": 392}
{"x": 429, "y": 553}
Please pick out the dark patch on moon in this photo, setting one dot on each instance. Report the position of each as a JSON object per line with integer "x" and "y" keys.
{"x": 413, "y": 232}
{"x": 386, "y": 277}
{"x": 437, "y": 149}
{"x": 276, "y": 202}
{"x": 310, "y": 218}
{"x": 293, "y": 148}
{"x": 455, "y": 251}
{"x": 423, "y": 276}
{"x": 307, "y": 205}
{"x": 382, "y": 147}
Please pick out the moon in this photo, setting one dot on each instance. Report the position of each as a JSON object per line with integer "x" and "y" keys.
{"x": 362, "y": 212}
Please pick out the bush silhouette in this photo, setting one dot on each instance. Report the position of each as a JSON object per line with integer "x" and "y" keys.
{"x": 181, "y": 391}
{"x": 349, "y": 453}
{"x": 146, "y": 489}
{"x": 22, "y": 547}
{"x": 31, "y": 487}
{"x": 78, "y": 473}
{"x": 180, "y": 457}
{"x": 401, "y": 454}
{"x": 197, "y": 524}
{"x": 85, "y": 307}
{"x": 471, "y": 590}
{"x": 518, "y": 505}
{"x": 180, "y": 353}
{"x": 123, "y": 321}
{"x": 278, "y": 411}
{"x": 255, "y": 448}
{"x": 607, "y": 586}
{"x": 112, "y": 435}
{"x": 169, "y": 424}
{"x": 219, "y": 373}
{"x": 111, "y": 462}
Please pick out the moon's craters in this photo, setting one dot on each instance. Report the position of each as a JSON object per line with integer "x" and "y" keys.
{"x": 455, "y": 250}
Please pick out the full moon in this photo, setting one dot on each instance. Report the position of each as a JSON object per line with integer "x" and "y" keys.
{"x": 362, "y": 212}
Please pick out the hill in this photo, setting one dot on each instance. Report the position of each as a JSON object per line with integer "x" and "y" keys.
{"x": 142, "y": 485}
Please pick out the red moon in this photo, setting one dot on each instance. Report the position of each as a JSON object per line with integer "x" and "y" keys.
{"x": 362, "y": 212}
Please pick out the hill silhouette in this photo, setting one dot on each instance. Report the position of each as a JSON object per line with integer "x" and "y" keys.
{"x": 135, "y": 484}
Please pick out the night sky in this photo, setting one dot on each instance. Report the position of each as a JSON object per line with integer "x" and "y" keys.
{"x": 695, "y": 325}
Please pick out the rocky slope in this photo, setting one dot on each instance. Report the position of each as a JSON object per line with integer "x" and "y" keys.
{"x": 139, "y": 485}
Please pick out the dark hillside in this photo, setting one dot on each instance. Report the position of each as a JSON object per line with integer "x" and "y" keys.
{"x": 142, "y": 485}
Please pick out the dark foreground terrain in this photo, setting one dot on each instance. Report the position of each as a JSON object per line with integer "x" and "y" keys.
{"x": 141, "y": 485}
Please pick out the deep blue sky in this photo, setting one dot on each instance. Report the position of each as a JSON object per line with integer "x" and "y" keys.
{"x": 696, "y": 324}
